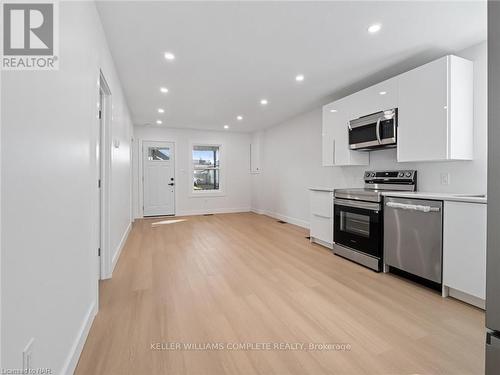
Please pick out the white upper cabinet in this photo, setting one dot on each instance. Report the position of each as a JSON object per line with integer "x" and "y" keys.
{"x": 376, "y": 98}
{"x": 435, "y": 113}
{"x": 327, "y": 135}
{"x": 335, "y": 135}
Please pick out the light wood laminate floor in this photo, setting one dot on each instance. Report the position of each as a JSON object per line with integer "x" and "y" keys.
{"x": 244, "y": 278}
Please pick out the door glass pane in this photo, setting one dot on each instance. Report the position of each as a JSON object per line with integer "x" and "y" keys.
{"x": 356, "y": 224}
{"x": 158, "y": 153}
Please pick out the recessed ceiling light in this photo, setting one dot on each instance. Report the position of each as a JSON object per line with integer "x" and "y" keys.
{"x": 239, "y": 118}
{"x": 226, "y": 126}
{"x": 333, "y": 110}
{"x": 383, "y": 92}
{"x": 159, "y": 122}
{"x": 374, "y": 28}
{"x": 161, "y": 110}
{"x": 299, "y": 78}
{"x": 263, "y": 101}
{"x": 163, "y": 90}
{"x": 169, "y": 56}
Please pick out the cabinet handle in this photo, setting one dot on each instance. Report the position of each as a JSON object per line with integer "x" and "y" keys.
{"x": 334, "y": 162}
{"x": 322, "y": 216}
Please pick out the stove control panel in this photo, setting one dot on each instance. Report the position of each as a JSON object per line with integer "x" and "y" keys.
{"x": 391, "y": 177}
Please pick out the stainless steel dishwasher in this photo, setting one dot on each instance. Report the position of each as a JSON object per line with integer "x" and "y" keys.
{"x": 413, "y": 236}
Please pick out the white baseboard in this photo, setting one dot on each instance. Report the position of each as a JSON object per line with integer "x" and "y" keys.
{"x": 288, "y": 219}
{"x": 120, "y": 247}
{"x": 213, "y": 211}
{"x": 77, "y": 347}
{"x": 468, "y": 298}
{"x": 322, "y": 243}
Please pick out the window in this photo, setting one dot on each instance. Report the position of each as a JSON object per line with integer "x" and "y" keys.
{"x": 158, "y": 153}
{"x": 206, "y": 168}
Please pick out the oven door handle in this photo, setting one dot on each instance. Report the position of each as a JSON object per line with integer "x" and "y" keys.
{"x": 357, "y": 204}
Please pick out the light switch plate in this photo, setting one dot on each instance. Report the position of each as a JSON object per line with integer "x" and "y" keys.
{"x": 445, "y": 178}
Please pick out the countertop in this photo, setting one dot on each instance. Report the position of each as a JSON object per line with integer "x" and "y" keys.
{"x": 456, "y": 197}
{"x": 322, "y": 188}
{"x": 469, "y": 198}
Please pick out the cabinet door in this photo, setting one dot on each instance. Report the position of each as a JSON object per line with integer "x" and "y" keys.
{"x": 422, "y": 114}
{"x": 327, "y": 136}
{"x": 335, "y": 135}
{"x": 322, "y": 229}
{"x": 321, "y": 218}
{"x": 343, "y": 154}
{"x": 340, "y": 120}
{"x": 464, "y": 247}
{"x": 376, "y": 98}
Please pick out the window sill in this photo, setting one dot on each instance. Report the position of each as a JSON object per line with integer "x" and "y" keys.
{"x": 207, "y": 194}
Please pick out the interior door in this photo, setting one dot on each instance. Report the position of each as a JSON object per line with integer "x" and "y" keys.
{"x": 158, "y": 178}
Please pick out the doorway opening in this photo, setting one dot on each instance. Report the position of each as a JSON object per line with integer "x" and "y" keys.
{"x": 103, "y": 155}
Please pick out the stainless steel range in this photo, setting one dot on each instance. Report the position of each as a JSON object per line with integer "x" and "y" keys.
{"x": 358, "y": 217}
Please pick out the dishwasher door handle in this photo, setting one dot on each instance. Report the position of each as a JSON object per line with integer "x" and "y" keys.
{"x": 412, "y": 207}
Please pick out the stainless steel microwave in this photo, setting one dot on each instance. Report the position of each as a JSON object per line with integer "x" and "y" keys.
{"x": 378, "y": 130}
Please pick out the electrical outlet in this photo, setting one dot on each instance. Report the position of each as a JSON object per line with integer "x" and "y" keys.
{"x": 445, "y": 178}
{"x": 28, "y": 356}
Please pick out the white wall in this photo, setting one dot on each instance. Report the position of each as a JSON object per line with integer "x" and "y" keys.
{"x": 235, "y": 165}
{"x": 49, "y": 194}
{"x": 291, "y": 159}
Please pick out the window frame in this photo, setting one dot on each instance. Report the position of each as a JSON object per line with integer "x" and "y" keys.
{"x": 207, "y": 193}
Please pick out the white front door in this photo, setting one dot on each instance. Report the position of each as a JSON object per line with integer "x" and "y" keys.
{"x": 158, "y": 178}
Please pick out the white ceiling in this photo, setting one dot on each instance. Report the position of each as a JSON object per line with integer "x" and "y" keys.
{"x": 229, "y": 55}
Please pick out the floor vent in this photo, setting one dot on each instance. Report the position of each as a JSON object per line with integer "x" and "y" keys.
{"x": 208, "y": 214}
{"x": 281, "y": 222}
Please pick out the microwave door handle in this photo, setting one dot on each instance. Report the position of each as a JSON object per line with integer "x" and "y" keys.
{"x": 377, "y": 130}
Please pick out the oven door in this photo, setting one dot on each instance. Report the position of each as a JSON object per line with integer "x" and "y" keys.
{"x": 358, "y": 225}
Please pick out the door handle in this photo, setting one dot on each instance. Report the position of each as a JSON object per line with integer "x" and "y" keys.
{"x": 377, "y": 130}
{"x": 412, "y": 207}
{"x": 171, "y": 184}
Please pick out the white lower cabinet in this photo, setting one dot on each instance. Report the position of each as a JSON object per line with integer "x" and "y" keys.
{"x": 464, "y": 251}
{"x": 321, "y": 217}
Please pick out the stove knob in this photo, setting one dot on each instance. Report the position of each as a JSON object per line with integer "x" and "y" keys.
{"x": 408, "y": 174}
{"x": 372, "y": 174}
{"x": 401, "y": 174}
{"x": 367, "y": 174}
